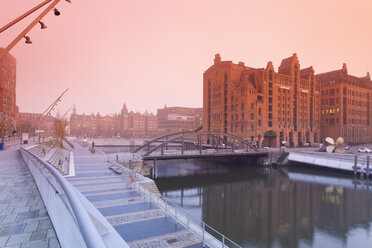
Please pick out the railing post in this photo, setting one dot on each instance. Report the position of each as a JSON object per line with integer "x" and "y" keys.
{"x": 175, "y": 210}
{"x": 355, "y": 164}
{"x": 223, "y": 241}
{"x": 200, "y": 144}
{"x": 367, "y": 172}
{"x": 203, "y": 232}
{"x": 218, "y": 143}
{"x": 183, "y": 143}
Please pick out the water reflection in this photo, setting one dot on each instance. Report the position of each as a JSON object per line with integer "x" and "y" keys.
{"x": 276, "y": 208}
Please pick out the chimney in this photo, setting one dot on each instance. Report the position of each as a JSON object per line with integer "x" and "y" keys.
{"x": 217, "y": 58}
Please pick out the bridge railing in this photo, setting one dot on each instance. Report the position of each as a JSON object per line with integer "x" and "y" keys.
{"x": 64, "y": 196}
{"x": 69, "y": 143}
{"x": 207, "y": 234}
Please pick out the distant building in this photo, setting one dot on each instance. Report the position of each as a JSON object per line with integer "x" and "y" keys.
{"x": 126, "y": 124}
{"x": 346, "y": 106}
{"x": 8, "y": 107}
{"x": 176, "y": 119}
{"x": 265, "y": 107}
{"x": 30, "y": 122}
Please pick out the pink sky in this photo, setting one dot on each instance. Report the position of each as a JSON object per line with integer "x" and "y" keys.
{"x": 149, "y": 53}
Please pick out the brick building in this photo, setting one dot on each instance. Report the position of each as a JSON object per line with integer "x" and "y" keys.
{"x": 176, "y": 119}
{"x": 345, "y": 106}
{"x": 126, "y": 124}
{"x": 29, "y": 122}
{"x": 8, "y": 107}
{"x": 260, "y": 105}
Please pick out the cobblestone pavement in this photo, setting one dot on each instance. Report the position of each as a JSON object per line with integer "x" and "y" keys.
{"x": 138, "y": 221}
{"x": 24, "y": 221}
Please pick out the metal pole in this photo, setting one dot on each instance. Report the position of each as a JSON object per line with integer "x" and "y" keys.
{"x": 367, "y": 166}
{"x": 200, "y": 145}
{"x": 223, "y": 241}
{"x": 28, "y": 28}
{"x": 183, "y": 143}
{"x": 23, "y": 16}
{"x": 203, "y": 232}
{"x": 355, "y": 164}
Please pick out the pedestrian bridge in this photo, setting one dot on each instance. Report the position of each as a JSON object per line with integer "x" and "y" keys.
{"x": 206, "y": 144}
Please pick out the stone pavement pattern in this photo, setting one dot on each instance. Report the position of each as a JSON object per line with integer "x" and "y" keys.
{"x": 140, "y": 222}
{"x": 24, "y": 221}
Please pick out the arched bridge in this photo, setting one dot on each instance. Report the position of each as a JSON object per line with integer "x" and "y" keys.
{"x": 215, "y": 140}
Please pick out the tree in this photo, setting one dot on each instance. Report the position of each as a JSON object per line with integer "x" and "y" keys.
{"x": 60, "y": 128}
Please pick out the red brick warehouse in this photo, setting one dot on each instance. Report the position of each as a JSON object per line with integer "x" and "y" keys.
{"x": 260, "y": 105}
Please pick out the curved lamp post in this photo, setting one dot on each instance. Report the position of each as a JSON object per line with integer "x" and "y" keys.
{"x": 37, "y": 20}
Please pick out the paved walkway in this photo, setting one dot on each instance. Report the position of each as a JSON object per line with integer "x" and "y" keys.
{"x": 24, "y": 221}
{"x": 138, "y": 221}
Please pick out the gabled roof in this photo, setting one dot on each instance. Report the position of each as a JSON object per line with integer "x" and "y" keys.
{"x": 304, "y": 73}
{"x": 286, "y": 64}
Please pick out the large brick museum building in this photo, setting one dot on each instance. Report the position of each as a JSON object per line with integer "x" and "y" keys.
{"x": 261, "y": 105}
{"x": 346, "y": 106}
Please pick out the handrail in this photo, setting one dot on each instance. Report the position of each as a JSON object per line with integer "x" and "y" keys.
{"x": 178, "y": 212}
{"x": 88, "y": 230}
{"x": 69, "y": 143}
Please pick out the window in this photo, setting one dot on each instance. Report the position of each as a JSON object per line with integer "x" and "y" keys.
{"x": 242, "y": 128}
{"x": 242, "y": 107}
{"x": 259, "y": 111}
{"x": 243, "y": 117}
{"x": 252, "y": 128}
{"x": 252, "y": 116}
{"x": 259, "y": 123}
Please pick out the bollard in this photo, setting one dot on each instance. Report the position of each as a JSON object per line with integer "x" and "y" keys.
{"x": 355, "y": 164}
{"x": 367, "y": 166}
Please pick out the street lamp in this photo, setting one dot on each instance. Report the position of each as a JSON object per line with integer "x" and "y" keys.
{"x": 28, "y": 40}
{"x": 31, "y": 25}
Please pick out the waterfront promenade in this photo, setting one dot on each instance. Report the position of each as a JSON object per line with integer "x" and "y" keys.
{"x": 24, "y": 221}
{"x": 140, "y": 222}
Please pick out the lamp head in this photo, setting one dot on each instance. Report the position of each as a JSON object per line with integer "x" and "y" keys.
{"x": 56, "y": 12}
{"x": 42, "y": 25}
{"x": 28, "y": 40}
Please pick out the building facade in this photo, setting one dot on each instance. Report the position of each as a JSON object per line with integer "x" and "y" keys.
{"x": 345, "y": 106}
{"x": 176, "y": 119}
{"x": 8, "y": 108}
{"x": 30, "y": 122}
{"x": 265, "y": 107}
{"x": 126, "y": 124}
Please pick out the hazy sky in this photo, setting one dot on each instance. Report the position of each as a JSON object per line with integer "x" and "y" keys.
{"x": 153, "y": 52}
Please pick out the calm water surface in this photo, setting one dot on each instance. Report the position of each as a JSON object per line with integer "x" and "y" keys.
{"x": 287, "y": 207}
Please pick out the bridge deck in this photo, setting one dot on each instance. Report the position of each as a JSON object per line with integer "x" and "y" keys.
{"x": 24, "y": 220}
{"x": 138, "y": 221}
{"x": 205, "y": 154}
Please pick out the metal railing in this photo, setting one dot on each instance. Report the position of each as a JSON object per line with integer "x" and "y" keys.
{"x": 207, "y": 234}
{"x": 88, "y": 230}
{"x": 69, "y": 143}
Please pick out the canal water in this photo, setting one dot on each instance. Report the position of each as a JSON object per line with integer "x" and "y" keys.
{"x": 283, "y": 207}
